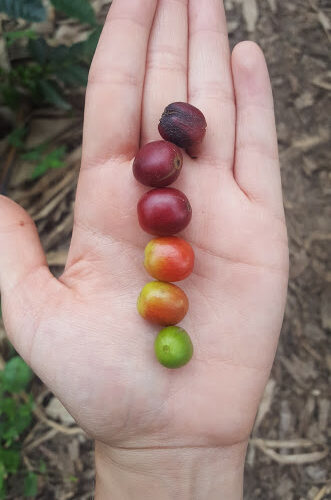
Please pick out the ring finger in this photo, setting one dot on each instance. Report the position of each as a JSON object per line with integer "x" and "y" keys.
{"x": 210, "y": 79}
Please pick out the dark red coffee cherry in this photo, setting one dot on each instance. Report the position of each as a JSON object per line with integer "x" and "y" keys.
{"x": 158, "y": 164}
{"x": 164, "y": 211}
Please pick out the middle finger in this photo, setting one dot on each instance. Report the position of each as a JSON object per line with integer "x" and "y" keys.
{"x": 167, "y": 59}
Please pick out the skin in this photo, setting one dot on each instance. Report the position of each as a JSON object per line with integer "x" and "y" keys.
{"x": 161, "y": 433}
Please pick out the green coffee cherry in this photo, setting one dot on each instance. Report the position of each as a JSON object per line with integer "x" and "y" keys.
{"x": 173, "y": 347}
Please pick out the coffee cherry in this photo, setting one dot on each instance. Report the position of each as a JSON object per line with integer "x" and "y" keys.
{"x": 169, "y": 258}
{"x": 162, "y": 303}
{"x": 173, "y": 347}
{"x": 183, "y": 124}
{"x": 158, "y": 164}
{"x": 164, "y": 211}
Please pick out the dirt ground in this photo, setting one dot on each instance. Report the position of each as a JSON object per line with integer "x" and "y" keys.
{"x": 287, "y": 458}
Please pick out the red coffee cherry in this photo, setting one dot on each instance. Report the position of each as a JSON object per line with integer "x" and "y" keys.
{"x": 158, "y": 164}
{"x": 164, "y": 211}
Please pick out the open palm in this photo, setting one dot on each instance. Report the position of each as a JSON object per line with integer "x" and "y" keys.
{"x": 82, "y": 334}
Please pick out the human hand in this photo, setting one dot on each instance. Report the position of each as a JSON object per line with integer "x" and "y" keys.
{"x": 82, "y": 334}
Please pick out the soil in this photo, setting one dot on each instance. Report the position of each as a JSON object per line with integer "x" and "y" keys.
{"x": 296, "y": 39}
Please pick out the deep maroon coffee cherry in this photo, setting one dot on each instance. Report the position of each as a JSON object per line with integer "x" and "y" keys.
{"x": 182, "y": 124}
{"x": 164, "y": 211}
{"x": 158, "y": 164}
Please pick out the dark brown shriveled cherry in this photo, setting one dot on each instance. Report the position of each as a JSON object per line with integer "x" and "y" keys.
{"x": 183, "y": 124}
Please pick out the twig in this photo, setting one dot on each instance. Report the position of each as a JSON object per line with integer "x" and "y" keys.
{"x": 324, "y": 491}
{"x": 268, "y": 448}
{"x": 290, "y": 444}
{"x": 6, "y": 169}
{"x": 27, "y": 462}
{"x": 10, "y": 160}
{"x": 49, "y": 435}
{"x": 2, "y": 363}
{"x": 32, "y": 432}
{"x": 88, "y": 496}
{"x": 322, "y": 18}
{"x": 54, "y": 425}
{"x": 39, "y": 399}
{"x": 58, "y": 258}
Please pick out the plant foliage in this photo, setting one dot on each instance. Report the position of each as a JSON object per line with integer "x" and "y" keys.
{"x": 15, "y": 419}
{"x": 79, "y": 9}
{"x": 48, "y": 72}
{"x": 43, "y": 74}
{"x": 30, "y": 10}
{"x": 34, "y": 10}
{"x": 45, "y": 160}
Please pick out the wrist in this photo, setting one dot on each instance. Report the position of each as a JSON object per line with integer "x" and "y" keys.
{"x": 167, "y": 473}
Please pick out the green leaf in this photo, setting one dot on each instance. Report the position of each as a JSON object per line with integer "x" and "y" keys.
{"x": 52, "y": 95}
{"x": 43, "y": 53}
{"x": 84, "y": 51}
{"x": 12, "y": 36}
{"x": 34, "y": 155}
{"x": 10, "y": 95}
{"x": 23, "y": 417}
{"x": 54, "y": 159}
{"x": 31, "y": 10}
{"x": 17, "y": 136}
{"x": 16, "y": 375}
{"x": 15, "y": 417}
{"x": 8, "y": 408}
{"x": 42, "y": 466}
{"x": 10, "y": 459}
{"x": 3, "y": 475}
{"x": 39, "y": 50}
{"x": 31, "y": 485}
{"x": 79, "y": 9}
{"x": 73, "y": 75}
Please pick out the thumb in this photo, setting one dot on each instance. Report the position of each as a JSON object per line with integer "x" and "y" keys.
{"x": 23, "y": 274}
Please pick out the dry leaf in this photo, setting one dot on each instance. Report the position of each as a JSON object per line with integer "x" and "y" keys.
{"x": 323, "y": 81}
{"x": 57, "y": 411}
{"x": 232, "y": 26}
{"x": 272, "y": 5}
{"x": 324, "y": 20}
{"x": 4, "y": 60}
{"x": 251, "y": 14}
{"x": 58, "y": 258}
{"x": 326, "y": 308}
{"x": 45, "y": 129}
